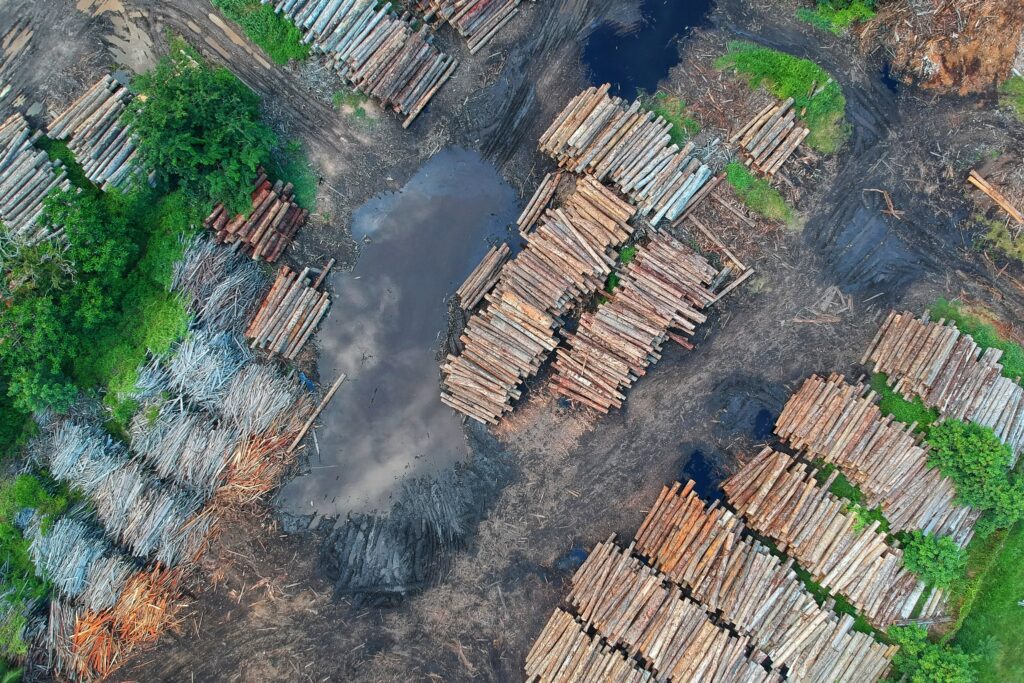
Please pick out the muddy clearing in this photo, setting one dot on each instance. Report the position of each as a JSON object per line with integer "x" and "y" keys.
{"x": 469, "y": 596}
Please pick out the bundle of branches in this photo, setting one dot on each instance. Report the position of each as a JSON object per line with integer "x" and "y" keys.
{"x": 258, "y": 397}
{"x": 260, "y": 461}
{"x": 219, "y": 286}
{"x": 204, "y": 364}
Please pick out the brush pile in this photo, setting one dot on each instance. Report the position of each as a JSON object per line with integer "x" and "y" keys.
{"x": 219, "y": 287}
{"x": 771, "y": 137}
{"x": 627, "y": 146}
{"x": 662, "y": 289}
{"x": 271, "y": 226}
{"x": 476, "y": 20}
{"x": 483, "y": 278}
{"x": 26, "y": 176}
{"x": 374, "y": 49}
{"x": 836, "y": 422}
{"x": 92, "y": 126}
{"x": 780, "y": 498}
{"x": 289, "y": 313}
{"x": 566, "y": 258}
{"x": 950, "y": 372}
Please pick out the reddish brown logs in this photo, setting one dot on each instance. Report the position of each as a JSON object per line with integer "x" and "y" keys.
{"x": 289, "y": 314}
{"x": 271, "y": 226}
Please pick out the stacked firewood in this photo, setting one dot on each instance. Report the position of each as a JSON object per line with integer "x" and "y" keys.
{"x": 540, "y": 200}
{"x": 836, "y": 422}
{"x": 628, "y": 146}
{"x": 476, "y": 20}
{"x": 483, "y": 278}
{"x": 26, "y": 176}
{"x": 950, "y": 372}
{"x": 271, "y": 226}
{"x": 660, "y": 296}
{"x": 707, "y": 550}
{"x": 779, "y": 497}
{"x": 290, "y": 312}
{"x": 566, "y": 258}
{"x": 771, "y": 137}
{"x": 102, "y": 143}
{"x": 564, "y": 653}
{"x": 374, "y": 49}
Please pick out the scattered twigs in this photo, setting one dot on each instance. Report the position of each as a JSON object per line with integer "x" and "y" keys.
{"x": 316, "y": 413}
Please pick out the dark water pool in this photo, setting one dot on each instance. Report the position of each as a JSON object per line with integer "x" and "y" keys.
{"x": 703, "y": 470}
{"x": 634, "y": 53}
{"x": 387, "y": 317}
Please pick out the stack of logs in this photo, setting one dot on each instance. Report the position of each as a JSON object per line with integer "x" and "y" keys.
{"x": 375, "y": 50}
{"x": 289, "y": 313}
{"x": 476, "y": 20}
{"x": 271, "y": 226}
{"x": 483, "y": 278}
{"x": 540, "y": 200}
{"x": 93, "y": 128}
{"x": 565, "y": 653}
{"x": 706, "y": 550}
{"x": 779, "y": 497}
{"x": 950, "y": 372}
{"x": 629, "y": 147}
{"x": 662, "y": 289}
{"x": 771, "y": 137}
{"x": 26, "y": 176}
{"x": 837, "y": 423}
{"x": 569, "y": 256}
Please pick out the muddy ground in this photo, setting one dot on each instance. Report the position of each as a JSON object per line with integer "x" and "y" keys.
{"x": 553, "y": 479}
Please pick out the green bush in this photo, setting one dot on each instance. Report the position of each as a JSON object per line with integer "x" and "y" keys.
{"x": 626, "y": 255}
{"x": 673, "y": 110}
{"x": 836, "y": 16}
{"x": 758, "y": 194}
{"x": 984, "y": 335}
{"x": 937, "y": 560}
{"x": 290, "y": 164}
{"x": 58, "y": 150}
{"x": 901, "y": 409}
{"x": 922, "y": 661}
{"x": 1012, "y": 96}
{"x": 787, "y": 76}
{"x": 273, "y": 32}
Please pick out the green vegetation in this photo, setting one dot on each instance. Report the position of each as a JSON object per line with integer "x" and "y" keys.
{"x": 625, "y": 256}
{"x": 900, "y": 408}
{"x": 673, "y": 110}
{"x": 999, "y": 235}
{"x": 937, "y": 560}
{"x": 58, "y": 150}
{"x": 350, "y": 99}
{"x": 818, "y": 100}
{"x": 758, "y": 194}
{"x": 273, "y": 32}
{"x": 200, "y": 127}
{"x": 289, "y": 163}
{"x": 922, "y": 661}
{"x": 1012, "y": 96}
{"x": 984, "y": 334}
{"x": 836, "y": 16}
{"x": 846, "y": 489}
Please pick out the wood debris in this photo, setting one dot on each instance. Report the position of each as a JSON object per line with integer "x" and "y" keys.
{"x": 950, "y": 372}
{"x": 771, "y": 137}
{"x": 476, "y": 20}
{"x": 26, "y": 177}
{"x": 374, "y": 49}
{"x": 268, "y": 229}
{"x": 841, "y": 424}
{"x": 483, "y": 278}
{"x": 974, "y": 178}
{"x": 289, "y": 314}
{"x": 627, "y": 146}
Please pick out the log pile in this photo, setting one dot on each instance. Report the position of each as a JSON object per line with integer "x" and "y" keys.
{"x": 974, "y": 178}
{"x": 26, "y": 176}
{"x": 483, "y": 278}
{"x": 289, "y": 313}
{"x": 563, "y": 652}
{"x": 566, "y": 258}
{"x": 102, "y": 143}
{"x": 951, "y": 373}
{"x": 627, "y": 146}
{"x": 271, "y": 226}
{"x": 476, "y": 20}
{"x": 660, "y": 296}
{"x": 771, "y": 137}
{"x": 840, "y": 424}
{"x": 705, "y": 550}
{"x": 540, "y": 200}
{"x": 374, "y": 49}
{"x": 779, "y": 497}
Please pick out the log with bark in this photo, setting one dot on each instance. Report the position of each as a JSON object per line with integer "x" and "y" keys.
{"x": 289, "y": 314}
{"x": 483, "y": 278}
{"x": 26, "y": 176}
{"x": 268, "y": 229}
{"x": 771, "y": 137}
{"x": 476, "y": 20}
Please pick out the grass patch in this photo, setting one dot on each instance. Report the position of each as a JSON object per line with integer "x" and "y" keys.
{"x": 626, "y": 255}
{"x": 273, "y": 32}
{"x": 900, "y": 408}
{"x": 1011, "y": 96}
{"x": 984, "y": 334}
{"x": 290, "y": 164}
{"x": 846, "y": 489}
{"x": 58, "y": 150}
{"x": 673, "y": 110}
{"x": 821, "y": 107}
{"x": 1000, "y": 237}
{"x": 759, "y": 195}
{"x": 836, "y": 16}
{"x": 351, "y": 100}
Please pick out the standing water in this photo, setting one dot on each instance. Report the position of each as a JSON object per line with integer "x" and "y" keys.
{"x": 387, "y": 319}
{"x": 637, "y": 56}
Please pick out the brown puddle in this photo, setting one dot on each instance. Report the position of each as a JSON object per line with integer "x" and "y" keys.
{"x": 388, "y": 316}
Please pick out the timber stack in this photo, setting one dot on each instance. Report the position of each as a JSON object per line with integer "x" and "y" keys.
{"x": 708, "y": 551}
{"x": 268, "y": 229}
{"x": 566, "y": 653}
{"x": 840, "y": 423}
{"x": 26, "y": 176}
{"x": 483, "y": 278}
{"x": 771, "y": 137}
{"x": 476, "y": 20}
{"x": 374, "y": 49}
{"x": 540, "y": 200}
{"x": 103, "y": 144}
{"x": 949, "y": 371}
{"x": 627, "y": 146}
{"x": 779, "y": 497}
{"x": 290, "y": 312}
{"x": 566, "y": 258}
{"x": 659, "y": 297}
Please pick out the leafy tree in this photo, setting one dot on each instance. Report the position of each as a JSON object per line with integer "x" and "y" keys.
{"x": 200, "y": 128}
{"x": 922, "y": 661}
{"x": 937, "y": 560}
